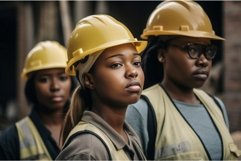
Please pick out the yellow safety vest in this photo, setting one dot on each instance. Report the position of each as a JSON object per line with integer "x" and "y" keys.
{"x": 31, "y": 144}
{"x": 175, "y": 139}
{"x": 114, "y": 153}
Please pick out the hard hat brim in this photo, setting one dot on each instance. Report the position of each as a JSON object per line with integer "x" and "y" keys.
{"x": 195, "y": 34}
{"x": 79, "y": 54}
{"x": 25, "y": 73}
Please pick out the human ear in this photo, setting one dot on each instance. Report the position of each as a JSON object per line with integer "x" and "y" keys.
{"x": 161, "y": 55}
{"x": 88, "y": 81}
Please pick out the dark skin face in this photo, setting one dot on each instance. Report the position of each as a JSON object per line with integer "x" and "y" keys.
{"x": 115, "y": 82}
{"x": 52, "y": 89}
{"x": 181, "y": 73}
{"x": 117, "y": 77}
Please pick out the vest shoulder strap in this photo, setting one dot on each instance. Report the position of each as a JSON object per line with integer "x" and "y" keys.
{"x": 206, "y": 98}
{"x": 87, "y": 132}
{"x": 150, "y": 95}
{"x": 31, "y": 143}
{"x": 83, "y": 127}
{"x": 219, "y": 105}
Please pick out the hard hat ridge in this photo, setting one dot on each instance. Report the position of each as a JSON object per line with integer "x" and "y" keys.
{"x": 96, "y": 33}
{"x": 45, "y": 55}
{"x": 179, "y": 17}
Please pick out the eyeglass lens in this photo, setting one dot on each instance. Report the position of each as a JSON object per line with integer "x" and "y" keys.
{"x": 196, "y": 50}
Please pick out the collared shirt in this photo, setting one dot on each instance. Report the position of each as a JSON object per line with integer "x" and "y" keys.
{"x": 86, "y": 146}
{"x": 9, "y": 141}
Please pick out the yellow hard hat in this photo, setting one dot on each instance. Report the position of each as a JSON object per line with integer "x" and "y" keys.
{"x": 179, "y": 17}
{"x": 45, "y": 55}
{"x": 95, "y": 33}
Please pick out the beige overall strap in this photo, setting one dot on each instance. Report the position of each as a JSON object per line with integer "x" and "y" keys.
{"x": 115, "y": 153}
{"x": 154, "y": 94}
{"x": 31, "y": 144}
{"x": 172, "y": 143}
{"x": 230, "y": 149}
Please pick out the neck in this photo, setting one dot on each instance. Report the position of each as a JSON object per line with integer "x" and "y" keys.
{"x": 180, "y": 93}
{"x": 52, "y": 118}
{"x": 53, "y": 121}
{"x": 113, "y": 116}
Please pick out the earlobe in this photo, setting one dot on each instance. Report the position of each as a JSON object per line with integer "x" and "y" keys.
{"x": 160, "y": 59}
{"x": 160, "y": 56}
{"x": 88, "y": 81}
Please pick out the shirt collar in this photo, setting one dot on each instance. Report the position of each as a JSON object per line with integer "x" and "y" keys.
{"x": 97, "y": 121}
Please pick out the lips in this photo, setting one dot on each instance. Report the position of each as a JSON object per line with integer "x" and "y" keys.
{"x": 57, "y": 98}
{"x": 134, "y": 86}
{"x": 201, "y": 74}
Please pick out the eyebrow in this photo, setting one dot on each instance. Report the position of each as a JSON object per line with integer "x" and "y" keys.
{"x": 50, "y": 73}
{"x": 121, "y": 55}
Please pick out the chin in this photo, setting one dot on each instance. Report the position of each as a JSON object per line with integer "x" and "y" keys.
{"x": 198, "y": 85}
{"x": 134, "y": 100}
{"x": 58, "y": 106}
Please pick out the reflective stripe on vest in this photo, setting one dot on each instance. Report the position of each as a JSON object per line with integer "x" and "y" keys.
{"x": 175, "y": 139}
{"x": 31, "y": 144}
{"x": 115, "y": 153}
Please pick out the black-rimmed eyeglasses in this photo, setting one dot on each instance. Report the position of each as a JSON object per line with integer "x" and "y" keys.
{"x": 194, "y": 51}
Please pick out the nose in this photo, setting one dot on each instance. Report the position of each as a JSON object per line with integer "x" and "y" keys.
{"x": 54, "y": 86}
{"x": 131, "y": 72}
{"x": 202, "y": 60}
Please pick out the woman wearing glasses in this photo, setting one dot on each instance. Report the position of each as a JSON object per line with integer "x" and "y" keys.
{"x": 174, "y": 118}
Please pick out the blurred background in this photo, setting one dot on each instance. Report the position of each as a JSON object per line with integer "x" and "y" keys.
{"x": 24, "y": 23}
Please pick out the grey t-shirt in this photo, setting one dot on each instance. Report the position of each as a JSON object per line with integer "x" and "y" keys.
{"x": 196, "y": 115}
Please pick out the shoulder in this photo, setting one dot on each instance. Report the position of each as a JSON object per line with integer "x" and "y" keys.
{"x": 220, "y": 103}
{"x": 223, "y": 109}
{"x": 140, "y": 106}
{"x": 9, "y": 143}
{"x": 152, "y": 89}
{"x": 85, "y": 146}
{"x": 136, "y": 114}
{"x": 8, "y": 135}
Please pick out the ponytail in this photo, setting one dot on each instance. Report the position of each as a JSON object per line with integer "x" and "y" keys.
{"x": 81, "y": 98}
{"x": 77, "y": 106}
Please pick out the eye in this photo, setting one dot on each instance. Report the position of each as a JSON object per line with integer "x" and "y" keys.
{"x": 193, "y": 51}
{"x": 211, "y": 52}
{"x": 63, "y": 77}
{"x": 116, "y": 65}
{"x": 137, "y": 63}
{"x": 43, "y": 79}
{"x": 137, "y": 60}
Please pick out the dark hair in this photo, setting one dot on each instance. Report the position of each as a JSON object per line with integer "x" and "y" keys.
{"x": 152, "y": 68}
{"x": 30, "y": 91}
{"x": 80, "y": 101}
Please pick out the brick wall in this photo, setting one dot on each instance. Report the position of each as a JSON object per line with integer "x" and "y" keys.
{"x": 232, "y": 62}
